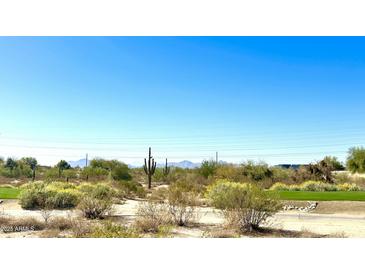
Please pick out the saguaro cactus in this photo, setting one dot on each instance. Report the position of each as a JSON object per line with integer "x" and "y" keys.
{"x": 166, "y": 170}
{"x": 149, "y": 168}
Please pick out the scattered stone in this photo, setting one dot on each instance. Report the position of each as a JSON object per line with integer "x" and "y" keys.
{"x": 311, "y": 206}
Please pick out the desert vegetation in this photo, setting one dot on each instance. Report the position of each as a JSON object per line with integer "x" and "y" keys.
{"x": 168, "y": 198}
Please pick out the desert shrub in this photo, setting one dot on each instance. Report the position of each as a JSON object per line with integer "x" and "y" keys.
{"x": 6, "y": 172}
{"x": 321, "y": 171}
{"x": 96, "y": 173}
{"x": 295, "y": 187}
{"x": 56, "y": 186}
{"x": 229, "y": 172}
{"x": 182, "y": 205}
{"x": 280, "y": 187}
{"x": 244, "y": 206}
{"x": 121, "y": 172}
{"x": 52, "y": 174}
{"x": 152, "y": 216}
{"x": 66, "y": 198}
{"x": 9, "y": 224}
{"x": 80, "y": 227}
{"x": 159, "y": 175}
{"x": 360, "y": 181}
{"x": 221, "y": 233}
{"x": 111, "y": 230}
{"x": 317, "y": 186}
{"x": 159, "y": 194}
{"x": 93, "y": 208}
{"x": 131, "y": 188}
{"x": 55, "y": 195}
{"x": 348, "y": 187}
{"x": 190, "y": 182}
{"x": 60, "y": 223}
{"x": 97, "y": 200}
{"x": 280, "y": 174}
{"x": 102, "y": 168}
{"x": 334, "y": 163}
{"x": 342, "y": 177}
{"x": 256, "y": 172}
{"x": 70, "y": 174}
{"x": 208, "y": 168}
{"x": 98, "y": 191}
{"x": 34, "y": 195}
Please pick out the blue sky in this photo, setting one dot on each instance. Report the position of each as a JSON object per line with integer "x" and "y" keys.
{"x": 277, "y": 99}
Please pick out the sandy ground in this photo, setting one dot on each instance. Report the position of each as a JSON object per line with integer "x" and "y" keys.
{"x": 344, "y": 219}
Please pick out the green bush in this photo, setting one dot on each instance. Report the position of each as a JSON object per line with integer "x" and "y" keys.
{"x": 67, "y": 198}
{"x": 55, "y": 195}
{"x": 34, "y": 195}
{"x": 121, "y": 172}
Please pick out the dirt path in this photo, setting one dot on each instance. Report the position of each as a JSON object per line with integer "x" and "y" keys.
{"x": 341, "y": 224}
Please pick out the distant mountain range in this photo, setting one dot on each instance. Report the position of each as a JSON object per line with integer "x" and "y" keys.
{"x": 183, "y": 164}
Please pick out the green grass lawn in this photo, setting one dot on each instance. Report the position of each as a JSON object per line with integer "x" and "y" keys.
{"x": 322, "y": 196}
{"x": 9, "y": 192}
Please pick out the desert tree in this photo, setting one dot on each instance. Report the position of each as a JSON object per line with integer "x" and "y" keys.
{"x": 356, "y": 160}
{"x": 11, "y": 164}
{"x": 334, "y": 163}
{"x": 322, "y": 171}
{"x": 208, "y": 168}
{"x": 32, "y": 163}
{"x": 62, "y": 165}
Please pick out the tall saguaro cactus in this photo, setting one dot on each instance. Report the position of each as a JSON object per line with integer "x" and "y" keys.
{"x": 166, "y": 170}
{"x": 149, "y": 168}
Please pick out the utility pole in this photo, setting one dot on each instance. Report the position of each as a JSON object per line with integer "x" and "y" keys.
{"x": 216, "y": 157}
{"x": 86, "y": 163}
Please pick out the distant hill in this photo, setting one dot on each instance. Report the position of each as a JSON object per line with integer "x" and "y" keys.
{"x": 80, "y": 163}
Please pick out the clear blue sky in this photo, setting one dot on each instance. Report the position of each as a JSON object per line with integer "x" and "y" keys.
{"x": 281, "y": 100}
